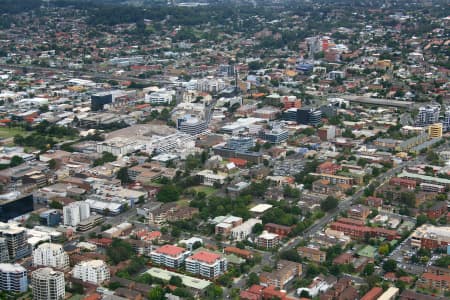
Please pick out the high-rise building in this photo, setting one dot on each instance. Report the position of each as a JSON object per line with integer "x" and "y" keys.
{"x": 51, "y": 255}
{"x": 48, "y": 284}
{"x": 4, "y": 255}
{"x": 446, "y": 122}
{"x": 305, "y": 116}
{"x": 13, "y": 278}
{"x": 75, "y": 212}
{"x": 93, "y": 271}
{"x": 428, "y": 115}
{"x": 191, "y": 125}
{"x": 15, "y": 241}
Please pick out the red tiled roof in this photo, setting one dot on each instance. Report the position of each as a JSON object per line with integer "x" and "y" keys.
{"x": 206, "y": 257}
{"x": 170, "y": 250}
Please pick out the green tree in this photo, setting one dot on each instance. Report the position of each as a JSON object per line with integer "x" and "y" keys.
{"x": 390, "y": 265}
{"x": 252, "y": 279}
{"x": 329, "y": 203}
{"x": 52, "y": 164}
{"x": 368, "y": 270}
{"x": 55, "y": 205}
{"x": 176, "y": 281}
{"x": 15, "y": 161}
{"x": 421, "y": 219}
{"x": 122, "y": 175}
{"x": 168, "y": 193}
{"x": 156, "y": 293}
{"x": 119, "y": 251}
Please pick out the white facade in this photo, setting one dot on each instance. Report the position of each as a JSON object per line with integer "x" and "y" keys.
{"x": 51, "y": 255}
{"x": 13, "y": 278}
{"x": 241, "y": 232}
{"x": 48, "y": 284}
{"x": 160, "y": 97}
{"x": 205, "y": 264}
{"x": 93, "y": 271}
{"x": 75, "y": 212}
{"x": 169, "y": 256}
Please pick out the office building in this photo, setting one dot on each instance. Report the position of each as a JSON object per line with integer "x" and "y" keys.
{"x": 240, "y": 143}
{"x": 75, "y": 212}
{"x": 92, "y": 271}
{"x": 305, "y": 116}
{"x": 275, "y": 136}
{"x": 206, "y": 264}
{"x": 100, "y": 100}
{"x": 160, "y": 97}
{"x": 15, "y": 240}
{"x": 428, "y": 115}
{"x": 169, "y": 256}
{"x": 14, "y": 204}
{"x": 4, "y": 254}
{"x": 13, "y": 278}
{"x": 51, "y": 255}
{"x": 191, "y": 125}
{"x": 50, "y": 218}
{"x": 435, "y": 130}
{"x": 48, "y": 284}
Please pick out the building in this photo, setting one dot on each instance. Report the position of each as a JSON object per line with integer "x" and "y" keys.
{"x": 14, "y": 204}
{"x": 428, "y": 115}
{"x": 240, "y": 143}
{"x": 169, "y": 256}
{"x": 274, "y": 136}
{"x": 284, "y": 273}
{"x": 224, "y": 224}
{"x": 305, "y": 116}
{"x": 210, "y": 178}
{"x": 313, "y": 254}
{"x": 411, "y": 295}
{"x": 447, "y": 120}
{"x": 13, "y": 278}
{"x": 246, "y": 254}
{"x": 51, "y": 255}
{"x": 48, "y": 284}
{"x": 327, "y": 133}
{"x": 291, "y": 102}
{"x": 4, "y": 254}
{"x": 268, "y": 240}
{"x": 92, "y": 271}
{"x": 100, "y": 100}
{"x": 50, "y": 218}
{"x": 191, "y": 125}
{"x": 359, "y": 231}
{"x": 390, "y": 294}
{"x": 435, "y": 130}
{"x": 76, "y": 212}
{"x": 431, "y": 281}
{"x": 373, "y": 294}
{"x": 90, "y": 222}
{"x": 16, "y": 241}
{"x": 241, "y": 232}
{"x": 328, "y": 168}
{"x": 278, "y": 229}
{"x": 206, "y": 264}
{"x": 359, "y": 212}
{"x": 437, "y": 210}
{"x": 160, "y": 97}
{"x": 431, "y": 237}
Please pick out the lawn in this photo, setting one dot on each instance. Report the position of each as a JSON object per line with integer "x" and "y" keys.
{"x": 6, "y": 132}
{"x": 205, "y": 189}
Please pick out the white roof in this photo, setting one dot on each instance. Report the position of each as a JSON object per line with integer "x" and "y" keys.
{"x": 260, "y": 208}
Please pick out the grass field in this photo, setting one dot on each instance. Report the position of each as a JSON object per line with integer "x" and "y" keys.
{"x": 6, "y": 132}
{"x": 205, "y": 189}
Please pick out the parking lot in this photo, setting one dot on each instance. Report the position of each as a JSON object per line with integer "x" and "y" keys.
{"x": 402, "y": 255}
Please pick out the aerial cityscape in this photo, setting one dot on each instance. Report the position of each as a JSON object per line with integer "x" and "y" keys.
{"x": 210, "y": 149}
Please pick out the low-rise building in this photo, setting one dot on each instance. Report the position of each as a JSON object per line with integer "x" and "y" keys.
{"x": 431, "y": 237}
{"x": 241, "y": 232}
{"x": 268, "y": 240}
{"x": 284, "y": 273}
{"x": 313, "y": 254}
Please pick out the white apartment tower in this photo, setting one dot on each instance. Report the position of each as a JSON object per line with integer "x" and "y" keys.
{"x": 75, "y": 212}
{"x": 48, "y": 284}
{"x": 93, "y": 271}
{"x": 51, "y": 255}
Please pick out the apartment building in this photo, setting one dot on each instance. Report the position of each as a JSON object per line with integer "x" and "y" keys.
{"x": 169, "y": 256}
{"x": 92, "y": 271}
{"x": 278, "y": 229}
{"x": 4, "y": 255}
{"x": 206, "y": 264}
{"x": 48, "y": 284}
{"x": 16, "y": 241}
{"x": 51, "y": 255}
{"x": 284, "y": 273}
{"x": 226, "y": 223}
{"x": 75, "y": 212}
{"x": 359, "y": 212}
{"x": 268, "y": 240}
{"x": 13, "y": 278}
{"x": 434, "y": 282}
{"x": 313, "y": 254}
{"x": 431, "y": 237}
